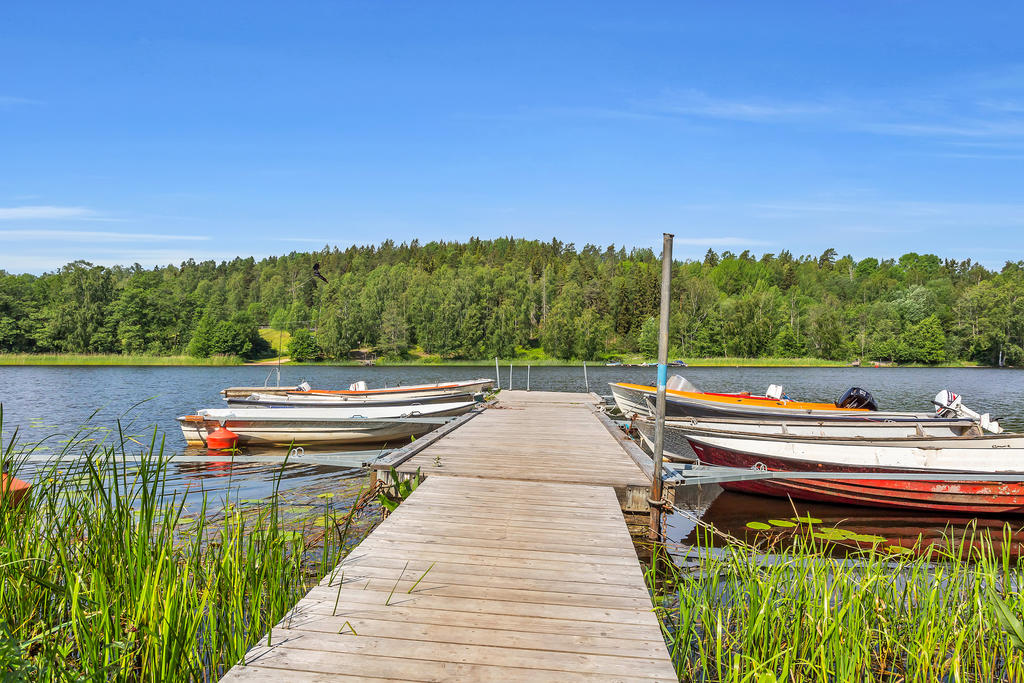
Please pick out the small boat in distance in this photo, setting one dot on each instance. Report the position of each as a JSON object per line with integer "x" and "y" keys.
{"x": 318, "y": 425}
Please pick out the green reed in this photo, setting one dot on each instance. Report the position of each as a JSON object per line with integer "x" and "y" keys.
{"x": 107, "y": 573}
{"x": 796, "y": 610}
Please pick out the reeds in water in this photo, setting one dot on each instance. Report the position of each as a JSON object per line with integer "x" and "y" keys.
{"x": 797, "y": 611}
{"x": 106, "y": 574}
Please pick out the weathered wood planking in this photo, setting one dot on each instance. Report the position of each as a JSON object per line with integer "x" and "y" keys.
{"x": 510, "y": 562}
{"x": 512, "y": 594}
{"x": 533, "y": 436}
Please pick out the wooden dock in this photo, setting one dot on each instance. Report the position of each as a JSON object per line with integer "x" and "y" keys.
{"x": 510, "y": 562}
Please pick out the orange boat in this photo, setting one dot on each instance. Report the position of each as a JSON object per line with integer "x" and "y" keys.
{"x": 13, "y": 489}
{"x": 683, "y": 399}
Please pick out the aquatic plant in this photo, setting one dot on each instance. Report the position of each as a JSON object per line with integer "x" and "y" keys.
{"x": 391, "y": 494}
{"x": 795, "y": 610}
{"x": 108, "y": 573}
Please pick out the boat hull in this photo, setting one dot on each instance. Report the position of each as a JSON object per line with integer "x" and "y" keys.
{"x": 297, "y": 433}
{"x": 301, "y": 426}
{"x": 13, "y": 490}
{"x": 423, "y": 390}
{"x": 633, "y": 399}
{"x": 676, "y": 429}
{"x": 260, "y": 400}
{"x": 944, "y": 494}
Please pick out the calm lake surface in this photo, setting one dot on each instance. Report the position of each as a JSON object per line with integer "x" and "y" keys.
{"x": 45, "y": 400}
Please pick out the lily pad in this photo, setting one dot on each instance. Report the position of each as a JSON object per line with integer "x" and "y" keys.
{"x": 867, "y": 538}
{"x": 325, "y": 495}
{"x": 758, "y": 526}
{"x": 782, "y": 522}
{"x": 323, "y": 520}
{"x": 807, "y": 519}
{"x": 831, "y": 533}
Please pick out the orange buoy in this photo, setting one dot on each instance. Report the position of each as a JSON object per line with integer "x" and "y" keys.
{"x": 13, "y": 489}
{"x": 221, "y": 439}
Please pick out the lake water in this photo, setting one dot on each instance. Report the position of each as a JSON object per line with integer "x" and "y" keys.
{"x": 44, "y": 400}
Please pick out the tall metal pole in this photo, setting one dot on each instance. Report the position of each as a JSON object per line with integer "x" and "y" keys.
{"x": 527, "y": 377}
{"x": 497, "y": 374}
{"x": 510, "y": 376}
{"x": 585, "y": 380}
{"x": 656, "y": 501}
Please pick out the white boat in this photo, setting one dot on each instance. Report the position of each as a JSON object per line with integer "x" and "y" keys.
{"x": 361, "y": 390}
{"x": 945, "y": 457}
{"x": 306, "y": 400}
{"x": 929, "y": 425}
{"x": 300, "y": 426}
{"x": 683, "y": 400}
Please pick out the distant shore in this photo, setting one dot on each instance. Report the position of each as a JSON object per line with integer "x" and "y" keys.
{"x": 113, "y": 359}
{"x": 11, "y": 359}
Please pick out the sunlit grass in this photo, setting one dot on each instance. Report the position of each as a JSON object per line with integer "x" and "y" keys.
{"x": 795, "y": 611}
{"x": 278, "y": 340}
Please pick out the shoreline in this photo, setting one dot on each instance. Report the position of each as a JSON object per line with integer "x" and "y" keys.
{"x": 24, "y": 359}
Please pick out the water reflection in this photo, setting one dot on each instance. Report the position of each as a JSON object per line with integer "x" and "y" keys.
{"x": 730, "y": 513}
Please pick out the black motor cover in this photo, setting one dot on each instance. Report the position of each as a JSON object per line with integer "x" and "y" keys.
{"x": 855, "y": 398}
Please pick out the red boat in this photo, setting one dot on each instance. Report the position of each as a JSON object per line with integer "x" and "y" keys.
{"x": 14, "y": 489}
{"x": 945, "y": 457}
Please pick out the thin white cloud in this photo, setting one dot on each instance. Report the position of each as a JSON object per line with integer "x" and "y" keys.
{"x": 17, "y": 213}
{"x": 962, "y": 129}
{"x": 7, "y": 101}
{"x": 94, "y": 236}
{"x": 979, "y": 108}
{"x": 698, "y": 103}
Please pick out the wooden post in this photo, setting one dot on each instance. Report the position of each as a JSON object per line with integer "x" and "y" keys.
{"x": 657, "y": 498}
{"x": 585, "y": 380}
{"x": 497, "y": 375}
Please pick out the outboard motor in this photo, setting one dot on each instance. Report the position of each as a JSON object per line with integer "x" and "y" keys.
{"x": 358, "y": 386}
{"x": 949, "y": 404}
{"x": 856, "y": 398}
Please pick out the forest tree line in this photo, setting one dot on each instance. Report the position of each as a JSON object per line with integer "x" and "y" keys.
{"x": 487, "y": 298}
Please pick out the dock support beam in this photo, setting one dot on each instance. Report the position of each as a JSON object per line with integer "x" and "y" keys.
{"x": 657, "y": 499}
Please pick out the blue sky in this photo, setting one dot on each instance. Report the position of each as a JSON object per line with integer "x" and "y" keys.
{"x": 154, "y": 132}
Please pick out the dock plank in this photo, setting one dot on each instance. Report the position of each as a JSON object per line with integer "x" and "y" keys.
{"x": 532, "y": 436}
{"x": 510, "y": 562}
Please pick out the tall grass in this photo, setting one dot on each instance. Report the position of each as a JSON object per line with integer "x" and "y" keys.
{"x": 802, "y": 613}
{"x": 107, "y": 573}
